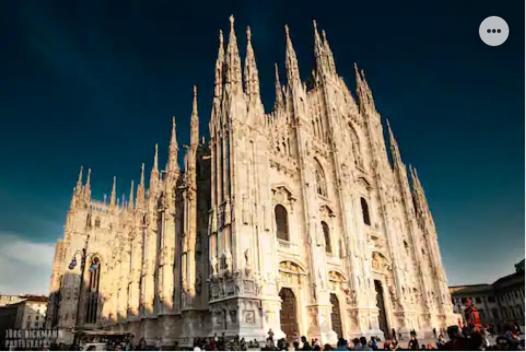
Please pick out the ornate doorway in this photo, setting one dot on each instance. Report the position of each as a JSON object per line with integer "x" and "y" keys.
{"x": 336, "y": 318}
{"x": 382, "y": 319}
{"x": 288, "y": 316}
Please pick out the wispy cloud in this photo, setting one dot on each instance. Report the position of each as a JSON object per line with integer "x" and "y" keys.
{"x": 25, "y": 266}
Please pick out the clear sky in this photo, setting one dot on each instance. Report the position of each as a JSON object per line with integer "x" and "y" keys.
{"x": 96, "y": 83}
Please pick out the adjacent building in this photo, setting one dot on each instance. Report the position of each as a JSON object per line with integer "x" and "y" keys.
{"x": 303, "y": 220}
{"x": 497, "y": 303}
{"x": 26, "y": 312}
{"x": 9, "y": 299}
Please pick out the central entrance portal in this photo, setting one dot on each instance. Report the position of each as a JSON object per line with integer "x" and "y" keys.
{"x": 289, "y": 324}
{"x": 382, "y": 319}
{"x": 336, "y": 319}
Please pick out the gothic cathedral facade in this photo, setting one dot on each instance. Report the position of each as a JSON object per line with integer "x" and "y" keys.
{"x": 297, "y": 220}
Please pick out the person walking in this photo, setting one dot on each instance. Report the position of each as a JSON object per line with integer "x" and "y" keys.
{"x": 413, "y": 342}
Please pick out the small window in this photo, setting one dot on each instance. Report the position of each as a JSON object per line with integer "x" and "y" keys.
{"x": 326, "y": 236}
{"x": 97, "y": 222}
{"x": 282, "y": 222}
{"x": 491, "y": 299}
{"x": 478, "y": 300}
{"x": 365, "y": 212}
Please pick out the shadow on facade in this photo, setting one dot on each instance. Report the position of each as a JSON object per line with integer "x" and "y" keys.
{"x": 77, "y": 303}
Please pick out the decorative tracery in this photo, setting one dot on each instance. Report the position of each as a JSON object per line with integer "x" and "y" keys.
{"x": 321, "y": 184}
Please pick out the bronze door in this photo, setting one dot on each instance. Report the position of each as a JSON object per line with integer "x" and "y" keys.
{"x": 289, "y": 324}
{"x": 336, "y": 319}
{"x": 382, "y": 319}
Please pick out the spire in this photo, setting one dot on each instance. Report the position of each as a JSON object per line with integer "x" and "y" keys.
{"x": 418, "y": 192}
{"x": 365, "y": 96}
{"x": 154, "y": 175}
{"x": 328, "y": 52}
{"x": 156, "y": 158}
{"x": 233, "y": 61}
{"x": 218, "y": 88}
{"x": 139, "y": 202}
{"x": 318, "y": 44}
{"x": 291, "y": 62}
{"x": 78, "y": 187}
{"x": 194, "y": 121}
{"x": 357, "y": 76}
{"x": 279, "y": 93}
{"x": 113, "y": 195}
{"x": 251, "y": 72}
{"x": 395, "y": 151}
{"x": 77, "y": 191}
{"x": 87, "y": 187}
{"x": 320, "y": 53}
{"x": 130, "y": 197}
{"x": 88, "y": 179}
{"x": 142, "y": 175}
{"x": 415, "y": 181}
{"x": 172, "y": 165}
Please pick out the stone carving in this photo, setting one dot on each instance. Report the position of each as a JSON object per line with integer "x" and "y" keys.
{"x": 250, "y": 317}
{"x": 248, "y": 267}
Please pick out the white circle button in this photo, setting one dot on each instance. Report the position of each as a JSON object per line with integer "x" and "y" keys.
{"x": 494, "y": 31}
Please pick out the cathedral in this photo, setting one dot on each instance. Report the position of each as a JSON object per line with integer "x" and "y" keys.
{"x": 302, "y": 220}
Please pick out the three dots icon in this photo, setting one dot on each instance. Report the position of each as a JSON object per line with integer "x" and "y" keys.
{"x": 494, "y": 31}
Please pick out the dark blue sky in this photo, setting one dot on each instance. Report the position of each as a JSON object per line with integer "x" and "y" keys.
{"x": 96, "y": 83}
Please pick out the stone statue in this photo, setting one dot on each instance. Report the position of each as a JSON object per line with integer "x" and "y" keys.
{"x": 248, "y": 268}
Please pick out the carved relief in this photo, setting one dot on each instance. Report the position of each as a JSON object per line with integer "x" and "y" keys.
{"x": 282, "y": 195}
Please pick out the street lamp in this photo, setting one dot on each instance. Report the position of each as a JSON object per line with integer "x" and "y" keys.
{"x": 72, "y": 265}
{"x": 73, "y": 262}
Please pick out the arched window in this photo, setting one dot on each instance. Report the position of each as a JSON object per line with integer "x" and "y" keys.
{"x": 282, "y": 222}
{"x": 365, "y": 211}
{"x": 326, "y": 236}
{"x": 93, "y": 291}
{"x": 321, "y": 185}
{"x": 355, "y": 147}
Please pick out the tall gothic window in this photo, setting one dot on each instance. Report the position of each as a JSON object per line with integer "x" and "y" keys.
{"x": 321, "y": 185}
{"x": 355, "y": 147}
{"x": 365, "y": 211}
{"x": 93, "y": 291}
{"x": 282, "y": 222}
{"x": 326, "y": 236}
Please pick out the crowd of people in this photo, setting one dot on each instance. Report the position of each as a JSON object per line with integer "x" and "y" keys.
{"x": 452, "y": 339}
{"x": 455, "y": 339}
